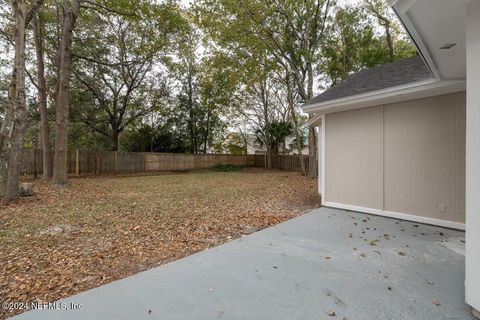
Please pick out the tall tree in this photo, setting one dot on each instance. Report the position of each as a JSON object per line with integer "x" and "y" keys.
{"x": 187, "y": 69}
{"x": 380, "y": 10}
{"x": 217, "y": 96}
{"x": 19, "y": 118}
{"x": 70, "y": 11}
{"x": 263, "y": 106}
{"x": 347, "y": 37}
{"x": 356, "y": 41}
{"x": 120, "y": 64}
{"x": 296, "y": 35}
{"x": 39, "y": 32}
{"x": 291, "y": 100}
{"x": 7, "y": 122}
{"x": 14, "y": 122}
{"x": 206, "y": 93}
{"x": 292, "y": 32}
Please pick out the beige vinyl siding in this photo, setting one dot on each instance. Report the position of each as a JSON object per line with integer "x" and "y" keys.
{"x": 406, "y": 157}
{"x": 353, "y": 157}
{"x": 425, "y": 157}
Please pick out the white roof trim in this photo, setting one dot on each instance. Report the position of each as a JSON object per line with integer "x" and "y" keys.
{"x": 412, "y": 31}
{"x": 402, "y": 5}
{"x": 415, "y": 90}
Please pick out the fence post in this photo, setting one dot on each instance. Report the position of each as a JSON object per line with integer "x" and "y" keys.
{"x": 77, "y": 162}
{"x": 144, "y": 162}
{"x": 67, "y": 160}
{"x": 91, "y": 162}
{"x": 115, "y": 162}
{"x": 35, "y": 163}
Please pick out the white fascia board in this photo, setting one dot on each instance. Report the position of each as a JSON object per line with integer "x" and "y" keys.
{"x": 417, "y": 40}
{"x": 402, "y": 6}
{"x": 397, "y": 215}
{"x": 411, "y": 91}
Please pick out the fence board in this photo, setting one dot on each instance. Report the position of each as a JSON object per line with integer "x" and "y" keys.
{"x": 283, "y": 162}
{"x": 100, "y": 162}
{"x": 85, "y": 162}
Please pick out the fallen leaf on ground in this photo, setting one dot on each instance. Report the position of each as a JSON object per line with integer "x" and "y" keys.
{"x": 101, "y": 229}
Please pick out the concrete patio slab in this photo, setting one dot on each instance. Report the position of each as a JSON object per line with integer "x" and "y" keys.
{"x": 327, "y": 264}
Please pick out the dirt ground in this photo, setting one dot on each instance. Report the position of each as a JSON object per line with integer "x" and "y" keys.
{"x": 97, "y": 230}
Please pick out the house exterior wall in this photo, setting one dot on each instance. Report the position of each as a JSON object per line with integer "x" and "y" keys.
{"x": 472, "y": 259}
{"x": 353, "y": 157}
{"x": 425, "y": 157}
{"x": 404, "y": 159}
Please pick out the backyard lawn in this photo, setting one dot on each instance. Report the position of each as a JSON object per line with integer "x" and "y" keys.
{"x": 58, "y": 243}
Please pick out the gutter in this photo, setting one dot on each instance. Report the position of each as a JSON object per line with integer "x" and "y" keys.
{"x": 411, "y": 91}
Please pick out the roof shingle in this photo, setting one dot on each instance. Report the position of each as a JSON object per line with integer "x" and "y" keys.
{"x": 392, "y": 74}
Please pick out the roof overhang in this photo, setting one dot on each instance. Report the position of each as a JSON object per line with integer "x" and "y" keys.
{"x": 431, "y": 24}
{"x": 411, "y": 91}
{"x": 437, "y": 27}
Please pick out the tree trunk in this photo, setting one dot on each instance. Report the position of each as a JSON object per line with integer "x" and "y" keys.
{"x": 312, "y": 163}
{"x": 205, "y": 138}
{"x": 191, "y": 130}
{"x": 38, "y": 143}
{"x": 291, "y": 105}
{"x": 385, "y": 22}
{"x": 268, "y": 138}
{"x": 312, "y": 135}
{"x": 298, "y": 138}
{"x": 13, "y": 175}
{"x": 70, "y": 13}
{"x": 42, "y": 97}
{"x": 115, "y": 134}
{"x": 6, "y": 130}
{"x": 391, "y": 52}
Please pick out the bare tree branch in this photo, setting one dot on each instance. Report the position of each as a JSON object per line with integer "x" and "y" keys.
{"x": 103, "y": 63}
{"x": 98, "y": 7}
{"x": 31, "y": 13}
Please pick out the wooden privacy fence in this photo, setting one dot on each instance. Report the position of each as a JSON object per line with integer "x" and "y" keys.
{"x": 282, "y": 162}
{"x": 81, "y": 162}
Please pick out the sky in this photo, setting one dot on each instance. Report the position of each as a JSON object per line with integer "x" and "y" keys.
{"x": 188, "y": 3}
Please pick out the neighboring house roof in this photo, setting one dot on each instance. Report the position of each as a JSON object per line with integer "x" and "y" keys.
{"x": 385, "y": 76}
